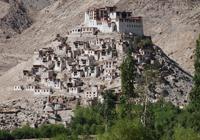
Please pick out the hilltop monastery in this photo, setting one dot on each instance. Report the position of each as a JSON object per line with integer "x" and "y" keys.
{"x": 87, "y": 62}
{"x": 108, "y": 20}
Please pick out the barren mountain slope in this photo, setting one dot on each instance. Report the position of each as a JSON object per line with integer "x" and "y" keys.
{"x": 36, "y": 4}
{"x": 173, "y": 24}
{"x": 3, "y": 9}
{"x": 57, "y": 18}
{"x": 54, "y": 19}
{"x": 16, "y": 20}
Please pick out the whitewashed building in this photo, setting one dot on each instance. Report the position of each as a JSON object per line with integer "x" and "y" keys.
{"x": 92, "y": 71}
{"x": 74, "y": 90}
{"x": 42, "y": 91}
{"x": 18, "y": 88}
{"x": 92, "y": 92}
{"x": 109, "y": 19}
{"x": 59, "y": 65}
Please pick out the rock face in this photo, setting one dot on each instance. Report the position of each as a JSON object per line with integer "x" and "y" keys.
{"x": 36, "y": 4}
{"x": 28, "y": 112}
{"x": 170, "y": 81}
{"x": 16, "y": 20}
{"x": 3, "y": 9}
{"x": 173, "y": 25}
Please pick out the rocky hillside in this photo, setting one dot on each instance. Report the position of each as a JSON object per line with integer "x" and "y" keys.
{"x": 36, "y": 4}
{"x": 156, "y": 76}
{"x": 3, "y": 9}
{"x": 15, "y": 21}
{"x": 173, "y": 25}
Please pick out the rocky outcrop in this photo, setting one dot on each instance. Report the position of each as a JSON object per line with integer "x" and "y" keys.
{"x": 36, "y": 4}
{"x": 25, "y": 113}
{"x": 173, "y": 25}
{"x": 176, "y": 84}
{"x": 16, "y": 20}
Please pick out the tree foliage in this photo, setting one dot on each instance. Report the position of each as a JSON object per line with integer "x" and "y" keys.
{"x": 87, "y": 121}
{"x": 195, "y": 94}
{"x": 185, "y": 134}
{"x": 25, "y": 132}
{"x": 5, "y": 135}
{"x": 125, "y": 129}
{"x": 194, "y": 106}
{"x": 128, "y": 76}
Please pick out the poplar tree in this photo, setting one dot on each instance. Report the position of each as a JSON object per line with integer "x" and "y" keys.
{"x": 194, "y": 106}
{"x": 195, "y": 94}
{"x": 128, "y": 76}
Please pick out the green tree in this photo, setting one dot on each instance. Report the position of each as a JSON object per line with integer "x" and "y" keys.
{"x": 25, "y": 132}
{"x": 5, "y": 135}
{"x": 48, "y": 131}
{"x": 162, "y": 119}
{"x": 86, "y": 121}
{"x": 60, "y": 137}
{"x": 194, "y": 105}
{"x": 125, "y": 129}
{"x": 195, "y": 94}
{"x": 107, "y": 108}
{"x": 128, "y": 75}
{"x": 150, "y": 77}
{"x": 185, "y": 134}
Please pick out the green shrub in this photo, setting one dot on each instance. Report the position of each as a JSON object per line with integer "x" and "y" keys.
{"x": 5, "y": 135}
{"x": 25, "y": 132}
{"x": 60, "y": 137}
{"x": 49, "y": 131}
{"x": 185, "y": 134}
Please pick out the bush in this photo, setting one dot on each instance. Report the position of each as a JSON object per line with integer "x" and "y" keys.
{"x": 45, "y": 131}
{"x": 49, "y": 131}
{"x": 185, "y": 134}
{"x": 125, "y": 130}
{"x": 4, "y": 135}
{"x": 60, "y": 137}
{"x": 25, "y": 133}
{"x": 86, "y": 120}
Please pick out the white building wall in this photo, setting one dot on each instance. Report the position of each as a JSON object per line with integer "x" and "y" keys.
{"x": 30, "y": 79}
{"x": 113, "y": 16}
{"x": 18, "y": 88}
{"x": 59, "y": 68}
{"x": 123, "y": 27}
{"x": 36, "y": 59}
{"x": 104, "y": 27}
{"x": 43, "y": 92}
{"x": 130, "y": 27}
{"x": 74, "y": 90}
{"x": 87, "y": 19}
{"x": 91, "y": 93}
{"x": 30, "y": 88}
{"x": 53, "y": 84}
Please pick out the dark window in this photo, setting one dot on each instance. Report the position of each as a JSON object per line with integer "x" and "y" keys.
{"x": 124, "y": 15}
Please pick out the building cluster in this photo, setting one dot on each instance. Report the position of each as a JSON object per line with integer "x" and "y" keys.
{"x": 79, "y": 68}
{"x": 85, "y": 66}
{"x": 76, "y": 70}
{"x": 108, "y": 20}
{"x": 82, "y": 70}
